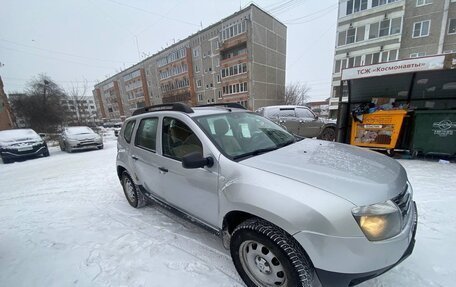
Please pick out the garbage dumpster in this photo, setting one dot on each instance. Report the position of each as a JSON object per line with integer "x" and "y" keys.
{"x": 378, "y": 130}
{"x": 434, "y": 132}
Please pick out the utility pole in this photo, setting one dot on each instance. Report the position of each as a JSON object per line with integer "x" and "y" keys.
{"x": 46, "y": 82}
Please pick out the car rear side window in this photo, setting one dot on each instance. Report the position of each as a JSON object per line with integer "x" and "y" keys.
{"x": 304, "y": 113}
{"x": 146, "y": 136}
{"x": 287, "y": 112}
{"x": 129, "y": 130}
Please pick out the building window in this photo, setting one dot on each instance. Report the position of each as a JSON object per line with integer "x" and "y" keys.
{"x": 197, "y": 69}
{"x": 360, "y": 31}
{"x": 196, "y": 52}
{"x": 235, "y": 88}
{"x": 219, "y": 94}
{"x": 416, "y": 55}
{"x": 376, "y": 3}
{"x": 423, "y": 2}
{"x": 452, "y": 26}
{"x": 234, "y": 70}
{"x": 337, "y": 66}
{"x": 354, "y": 6}
{"x": 421, "y": 29}
{"x": 396, "y": 24}
{"x": 200, "y": 97}
{"x": 385, "y": 28}
{"x": 198, "y": 83}
{"x": 351, "y": 35}
{"x": 233, "y": 30}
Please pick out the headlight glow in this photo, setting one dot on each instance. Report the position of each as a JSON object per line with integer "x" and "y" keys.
{"x": 379, "y": 221}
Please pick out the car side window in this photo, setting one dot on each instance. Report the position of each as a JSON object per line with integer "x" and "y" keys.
{"x": 128, "y": 131}
{"x": 178, "y": 139}
{"x": 287, "y": 112}
{"x": 146, "y": 136}
{"x": 304, "y": 113}
{"x": 271, "y": 112}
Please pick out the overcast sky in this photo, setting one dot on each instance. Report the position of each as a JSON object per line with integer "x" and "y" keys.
{"x": 76, "y": 40}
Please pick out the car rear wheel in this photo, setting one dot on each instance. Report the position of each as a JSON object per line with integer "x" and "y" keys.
{"x": 265, "y": 255}
{"x": 134, "y": 196}
{"x": 328, "y": 134}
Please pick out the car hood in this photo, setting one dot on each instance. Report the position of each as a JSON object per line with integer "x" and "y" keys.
{"x": 358, "y": 175}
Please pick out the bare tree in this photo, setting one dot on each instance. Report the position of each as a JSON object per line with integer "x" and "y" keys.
{"x": 78, "y": 107}
{"x": 40, "y": 106}
{"x": 296, "y": 94}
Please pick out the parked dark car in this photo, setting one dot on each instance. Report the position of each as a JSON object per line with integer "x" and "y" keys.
{"x": 301, "y": 121}
{"x": 21, "y": 143}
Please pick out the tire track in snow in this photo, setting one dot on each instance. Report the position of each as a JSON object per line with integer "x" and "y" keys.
{"x": 180, "y": 242}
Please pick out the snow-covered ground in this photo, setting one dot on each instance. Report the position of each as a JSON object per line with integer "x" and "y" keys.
{"x": 64, "y": 221}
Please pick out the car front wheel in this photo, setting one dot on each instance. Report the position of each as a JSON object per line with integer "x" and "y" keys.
{"x": 265, "y": 255}
{"x": 46, "y": 152}
{"x": 134, "y": 196}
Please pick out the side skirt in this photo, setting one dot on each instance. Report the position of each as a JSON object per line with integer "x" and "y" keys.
{"x": 180, "y": 213}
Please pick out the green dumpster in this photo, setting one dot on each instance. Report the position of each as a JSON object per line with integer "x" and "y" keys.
{"x": 434, "y": 132}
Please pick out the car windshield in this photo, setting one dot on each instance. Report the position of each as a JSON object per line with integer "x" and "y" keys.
{"x": 242, "y": 135}
{"x": 79, "y": 130}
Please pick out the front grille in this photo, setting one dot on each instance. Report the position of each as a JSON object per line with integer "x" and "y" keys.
{"x": 403, "y": 201}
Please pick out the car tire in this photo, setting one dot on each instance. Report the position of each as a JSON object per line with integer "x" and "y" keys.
{"x": 328, "y": 134}
{"x": 265, "y": 255}
{"x": 62, "y": 146}
{"x": 7, "y": 160}
{"x": 134, "y": 196}
{"x": 46, "y": 152}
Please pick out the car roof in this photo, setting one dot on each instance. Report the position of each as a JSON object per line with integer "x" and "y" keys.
{"x": 189, "y": 111}
{"x": 286, "y": 107}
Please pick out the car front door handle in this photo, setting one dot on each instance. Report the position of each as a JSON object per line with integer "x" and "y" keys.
{"x": 134, "y": 157}
{"x": 163, "y": 169}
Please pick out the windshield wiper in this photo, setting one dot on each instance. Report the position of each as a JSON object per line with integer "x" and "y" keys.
{"x": 255, "y": 152}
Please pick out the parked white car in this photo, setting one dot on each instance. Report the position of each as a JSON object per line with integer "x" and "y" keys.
{"x": 79, "y": 138}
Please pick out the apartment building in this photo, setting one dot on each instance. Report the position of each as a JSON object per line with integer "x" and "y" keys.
{"x": 378, "y": 31}
{"x": 241, "y": 58}
{"x": 80, "y": 110}
{"x": 6, "y": 116}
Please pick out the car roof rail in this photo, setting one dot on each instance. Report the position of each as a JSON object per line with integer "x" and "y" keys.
{"x": 226, "y": 105}
{"x": 178, "y": 107}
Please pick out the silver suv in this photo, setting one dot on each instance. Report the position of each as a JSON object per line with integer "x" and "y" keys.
{"x": 301, "y": 121}
{"x": 292, "y": 213}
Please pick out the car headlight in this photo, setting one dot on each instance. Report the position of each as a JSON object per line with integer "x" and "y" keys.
{"x": 379, "y": 221}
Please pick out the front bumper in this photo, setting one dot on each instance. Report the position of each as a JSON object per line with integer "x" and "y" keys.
{"x": 349, "y": 261}
{"x": 17, "y": 153}
{"x": 87, "y": 144}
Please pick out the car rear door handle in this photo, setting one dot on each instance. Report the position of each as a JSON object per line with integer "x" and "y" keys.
{"x": 134, "y": 157}
{"x": 163, "y": 169}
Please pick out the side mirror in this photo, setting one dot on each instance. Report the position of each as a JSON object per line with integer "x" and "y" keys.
{"x": 42, "y": 135}
{"x": 196, "y": 160}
